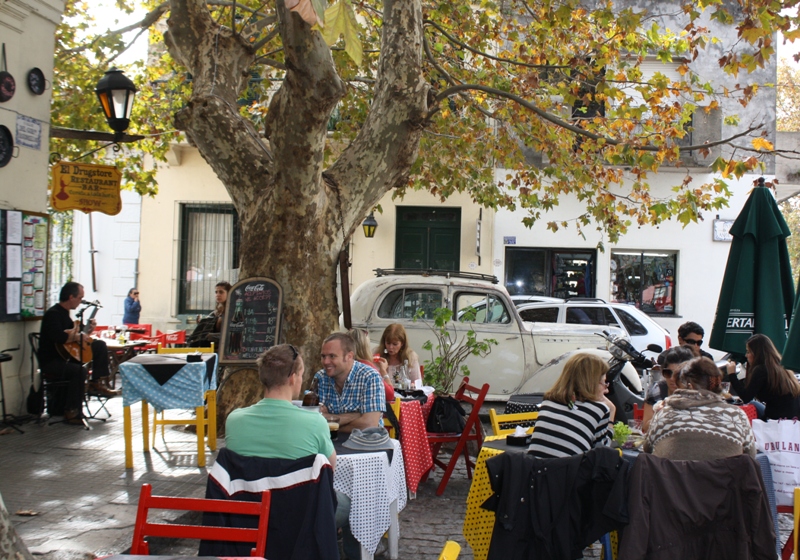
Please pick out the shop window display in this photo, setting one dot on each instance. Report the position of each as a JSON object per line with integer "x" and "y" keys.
{"x": 644, "y": 279}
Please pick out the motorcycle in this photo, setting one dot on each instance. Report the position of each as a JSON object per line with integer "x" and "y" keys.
{"x": 624, "y": 383}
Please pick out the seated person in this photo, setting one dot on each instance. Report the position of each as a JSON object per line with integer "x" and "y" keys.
{"x": 575, "y": 415}
{"x": 695, "y": 423}
{"x": 58, "y": 329}
{"x": 671, "y": 362}
{"x": 361, "y": 342}
{"x": 209, "y": 328}
{"x": 349, "y": 390}
{"x": 394, "y": 353}
{"x": 274, "y": 428}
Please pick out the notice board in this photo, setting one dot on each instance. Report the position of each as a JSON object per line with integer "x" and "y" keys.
{"x": 24, "y": 240}
{"x": 252, "y": 320}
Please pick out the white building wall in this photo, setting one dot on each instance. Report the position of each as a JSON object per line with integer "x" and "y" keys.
{"x": 27, "y": 28}
{"x": 701, "y": 261}
{"x": 116, "y": 242}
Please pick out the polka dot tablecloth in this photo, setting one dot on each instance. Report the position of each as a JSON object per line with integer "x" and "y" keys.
{"x": 184, "y": 390}
{"x": 414, "y": 441}
{"x": 479, "y": 522}
{"x": 372, "y": 484}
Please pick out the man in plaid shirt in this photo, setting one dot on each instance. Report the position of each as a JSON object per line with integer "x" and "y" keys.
{"x": 348, "y": 389}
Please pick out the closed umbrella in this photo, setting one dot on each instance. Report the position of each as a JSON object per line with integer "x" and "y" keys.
{"x": 757, "y": 293}
{"x": 791, "y": 352}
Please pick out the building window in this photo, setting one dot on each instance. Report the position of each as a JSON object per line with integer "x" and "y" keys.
{"x": 209, "y": 253}
{"x": 562, "y": 273}
{"x": 646, "y": 280}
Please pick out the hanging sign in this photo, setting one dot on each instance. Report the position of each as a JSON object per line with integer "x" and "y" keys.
{"x": 251, "y": 323}
{"x": 86, "y": 187}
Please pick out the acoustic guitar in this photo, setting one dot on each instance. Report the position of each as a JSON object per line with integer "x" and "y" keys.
{"x": 80, "y": 352}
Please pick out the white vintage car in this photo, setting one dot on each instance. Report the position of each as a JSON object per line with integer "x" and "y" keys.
{"x": 522, "y": 348}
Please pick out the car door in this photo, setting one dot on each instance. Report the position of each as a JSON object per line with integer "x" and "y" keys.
{"x": 490, "y": 315}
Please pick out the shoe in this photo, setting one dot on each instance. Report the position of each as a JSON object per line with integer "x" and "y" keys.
{"x": 73, "y": 418}
{"x": 101, "y": 389}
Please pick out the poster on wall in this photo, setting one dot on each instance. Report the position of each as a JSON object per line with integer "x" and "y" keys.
{"x": 23, "y": 264}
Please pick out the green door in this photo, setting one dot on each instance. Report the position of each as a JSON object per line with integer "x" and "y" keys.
{"x": 428, "y": 238}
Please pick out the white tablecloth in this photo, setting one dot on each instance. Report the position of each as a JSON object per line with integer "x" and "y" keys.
{"x": 372, "y": 485}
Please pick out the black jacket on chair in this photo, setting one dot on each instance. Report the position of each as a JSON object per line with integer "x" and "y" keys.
{"x": 301, "y": 519}
{"x": 698, "y": 509}
{"x": 554, "y": 508}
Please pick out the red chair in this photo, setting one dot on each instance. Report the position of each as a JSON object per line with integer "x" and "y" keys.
{"x": 473, "y": 431}
{"x": 638, "y": 413}
{"x": 178, "y": 337}
{"x": 147, "y": 501}
{"x": 147, "y": 331}
{"x": 752, "y": 413}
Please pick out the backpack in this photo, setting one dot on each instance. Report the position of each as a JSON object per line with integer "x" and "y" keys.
{"x": 447, "y": 416}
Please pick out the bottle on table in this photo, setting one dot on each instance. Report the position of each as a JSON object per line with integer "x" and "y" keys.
{"x": 311, "y": 397}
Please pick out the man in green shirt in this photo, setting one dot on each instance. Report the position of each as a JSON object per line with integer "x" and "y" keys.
{"x": 273, "y": 427}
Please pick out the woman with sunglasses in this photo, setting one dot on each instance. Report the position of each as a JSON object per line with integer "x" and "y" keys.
{"x": 575, "y": 415}
{"x": 132, "y": 308}
{"x": 767, "y": 380}
{"x": 695, "y": 423}
{"x": 671, "y": 362}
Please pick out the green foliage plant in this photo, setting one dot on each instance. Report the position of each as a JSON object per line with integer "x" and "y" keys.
{"x": 451, "y": 350}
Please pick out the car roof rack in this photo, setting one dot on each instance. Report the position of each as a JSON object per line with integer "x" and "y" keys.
{"x": 586, "y": 299}
{"x": 433, "y": 272}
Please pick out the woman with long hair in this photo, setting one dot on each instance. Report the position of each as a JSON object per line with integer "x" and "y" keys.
{"x": 695, "y": 423}
{"x": 575, "y": 415}
{"x": 670, "y": 363}
{"x": 361, "y": 343}
{"x": 394, "y": 352}
{"x": 767, "y": 380}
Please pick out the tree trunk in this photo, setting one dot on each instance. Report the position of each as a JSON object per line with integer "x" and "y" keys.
{"x": 11, "y": 546}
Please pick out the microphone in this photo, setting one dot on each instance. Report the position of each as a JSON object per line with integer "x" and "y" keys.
{"x": 96, "y": 303}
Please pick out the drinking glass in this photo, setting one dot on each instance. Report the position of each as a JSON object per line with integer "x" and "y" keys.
{"x": 726, "y": 388}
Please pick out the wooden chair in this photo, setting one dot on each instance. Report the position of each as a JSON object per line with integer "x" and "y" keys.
{"x": 450, "y": 551}
{"x": 161, "y": 349}
{"x": 512, "y": 419}
{"x": 473, "y": 431}
{"x": 147, "y": 502}
{"x": 396, "y": 409}
{"x": 206, "y": 417}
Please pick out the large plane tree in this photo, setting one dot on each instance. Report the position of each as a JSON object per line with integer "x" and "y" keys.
{"x": 309, "y": 112}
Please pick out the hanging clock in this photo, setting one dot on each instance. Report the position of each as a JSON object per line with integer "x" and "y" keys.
{"x": 36, "y": 81}
{"x": 6, "y": 145}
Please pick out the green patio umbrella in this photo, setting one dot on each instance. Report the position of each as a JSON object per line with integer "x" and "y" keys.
{"x": 791, "y": 352}
{"x": 757, "y": 293}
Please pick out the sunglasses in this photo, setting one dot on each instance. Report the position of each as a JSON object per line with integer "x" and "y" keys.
{"x": 666, "y": 372}
{"x": 295, "y": 353}
{"x": 693, "y": 342}
{"x": 136, "y": 293}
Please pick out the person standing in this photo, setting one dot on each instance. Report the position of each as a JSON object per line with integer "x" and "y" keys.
{"x": 132, "y": 308}
{"x": 58, "y": 329}
{"x": 349, "y": 390}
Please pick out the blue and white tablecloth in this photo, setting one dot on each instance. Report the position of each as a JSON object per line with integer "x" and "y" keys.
{"x": 185, "y": 389}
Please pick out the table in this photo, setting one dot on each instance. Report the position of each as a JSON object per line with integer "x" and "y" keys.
{"x": 118, "y": 353}
{"x": 168, "y": 382}
{"x": 414, "y": 442}
{"x": 377, "y": 491}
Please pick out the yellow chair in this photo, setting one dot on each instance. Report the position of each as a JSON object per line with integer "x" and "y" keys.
{"x": 450, "y": 551}
{"x": 396, "y": 409}
{"x": 202, "y": 350}
{"x": 205, "y": 417}
{"x": 498, "y": 419}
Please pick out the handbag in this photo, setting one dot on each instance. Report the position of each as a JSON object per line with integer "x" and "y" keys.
{"x": 780, "y": 441}
{"x": 447, "y": 416}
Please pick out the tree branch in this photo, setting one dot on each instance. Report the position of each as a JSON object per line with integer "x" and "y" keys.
{"x": 576, "y": 129}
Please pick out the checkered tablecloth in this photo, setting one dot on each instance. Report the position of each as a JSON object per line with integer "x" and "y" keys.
{"x": 414, "y": 442}
{"x": 184, "y": 390}
{"x": 372, "y": 483}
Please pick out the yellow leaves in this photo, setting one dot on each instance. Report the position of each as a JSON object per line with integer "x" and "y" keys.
{"x": 762, "y": 145}
{"x": 340, "y": 19}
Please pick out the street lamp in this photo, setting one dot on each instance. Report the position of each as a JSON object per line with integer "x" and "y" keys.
{"x": 116, "y": 93}
{"x": 369, "y": 225}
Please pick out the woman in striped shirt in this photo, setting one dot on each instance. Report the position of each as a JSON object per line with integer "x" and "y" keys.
{"x": 575, "y": 415}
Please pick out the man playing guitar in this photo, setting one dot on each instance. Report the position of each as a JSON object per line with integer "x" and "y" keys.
{"x": 58, "y": 330}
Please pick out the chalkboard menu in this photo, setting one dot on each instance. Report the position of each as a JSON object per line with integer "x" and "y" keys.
{"x": 252, "y": 320}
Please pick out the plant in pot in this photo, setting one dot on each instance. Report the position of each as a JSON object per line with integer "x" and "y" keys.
{"x": 451, "y": 348}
